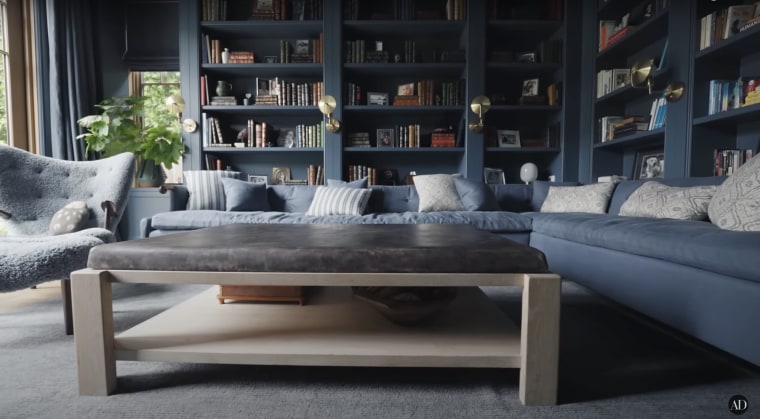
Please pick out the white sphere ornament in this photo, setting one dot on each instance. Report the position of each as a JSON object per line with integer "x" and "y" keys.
{"x": 528, "y": 172}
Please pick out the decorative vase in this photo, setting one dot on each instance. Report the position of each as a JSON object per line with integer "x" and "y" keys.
{"x": 225, "y": 56}
{"x": 150, "y": 174}
{"x": 223, "y": 88}
{"x": 528, "y": 172}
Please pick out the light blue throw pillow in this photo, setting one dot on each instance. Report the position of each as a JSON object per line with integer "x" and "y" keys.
{"x": 245, "y": 196}
{"x": 476, "y": 196}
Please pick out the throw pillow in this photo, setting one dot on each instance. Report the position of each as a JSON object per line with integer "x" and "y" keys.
{"x": 592, "y": 198}
{"x": 339, "y": 201}
{"x": 437, "y": 193}
{"x": 72, "y": 217}
{"x": 736, "y": 203}
{"x": 360, "y": 183}
{"x": 245, "y": 196}
{"x": 653, "y": 199}
{"x": 475, "y": 196}
{"x": 206, "y": 189}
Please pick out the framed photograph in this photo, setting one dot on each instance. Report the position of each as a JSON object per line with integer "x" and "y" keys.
{"x": 385, "y": 137}
{"x": 621, "y": 77}
{"x": 493, "y": 176}
{"x": 302, "y": 46}
{"x": 262, "y": 87}
{"x": 508, "y": 138}
{"x": 376, "y": 98}
{"x": 280, "y": 175}
{"x": 406, "y": 89}
{"x": 257, "y": 179}
{"x": 287, "y": 137}
{"x": 298, "y": 9}
{"x": 271, "y": 59}
{"x": 526, "y": 57}
{"x": 530, "y": 87}
{"x": 649, "y": 164}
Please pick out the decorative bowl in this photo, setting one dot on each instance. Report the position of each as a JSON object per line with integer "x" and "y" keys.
{"x": 407, "y": 306}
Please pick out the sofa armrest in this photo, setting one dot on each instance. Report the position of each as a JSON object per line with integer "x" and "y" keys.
{"x": 146, "y": 226}
{"x": 5, "y": 215}
{"x": 178, "y": 196}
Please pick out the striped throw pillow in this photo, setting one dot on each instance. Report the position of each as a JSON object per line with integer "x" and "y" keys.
{"x": 339, "y": 201}
{"x": 206, "y": 189}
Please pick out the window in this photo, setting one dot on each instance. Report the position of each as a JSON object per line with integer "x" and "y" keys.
{"x": 156, "y": 86}
{"x": 3, "y": 72}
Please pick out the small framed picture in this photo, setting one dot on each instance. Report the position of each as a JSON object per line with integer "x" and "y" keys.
{"x": 287, "y": 137}
{"x": 406, "y": 89}
{"x": 303, "y": 46}
{"x": 271, "y": 59}
{"x": 508, "y": 138}
{"x": 621, "y": 77}
{"x": 385, "y": 137}
{"x": 530, "y": 87}
{"x": 493, "y": 176}
{"x": 376, "y": 98}
{"x": 526, "y": 57}
{"x": 257, "y": 179}
{"x": 649, "y": 164}
{"x": 280, "y": 175}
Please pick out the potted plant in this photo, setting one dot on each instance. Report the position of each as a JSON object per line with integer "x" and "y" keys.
{"x": 117, "y": 129}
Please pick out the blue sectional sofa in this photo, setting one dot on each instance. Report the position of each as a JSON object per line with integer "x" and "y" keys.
{"x": 690, "y": 275}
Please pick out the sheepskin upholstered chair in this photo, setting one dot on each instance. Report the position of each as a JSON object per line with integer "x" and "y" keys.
{"x": 33, "y": 189}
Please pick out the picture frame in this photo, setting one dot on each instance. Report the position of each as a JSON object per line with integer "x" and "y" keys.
{"x": 271, "y": 59}
{"x": 377, "y": 99}
{"x": 406, "y": 89}
{"x": 492, "y": 176}
{"x": 286, "y": 137}
{"x": 258, "y": 179}
{"x": 508, "y": 138}
{"x": 650, "y": 164}
{"x": 621, "y": 77}
{"x": 385, "y": 137}
{"x": 303, "y": 46}
{"x": 280, "y": 175}
{"x": 530, "y": 87}
{"x": 526, "y": 57}
{"x": 298, "y": 9}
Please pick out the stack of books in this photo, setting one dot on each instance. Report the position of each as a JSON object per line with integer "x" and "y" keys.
{"x": 358, "y": 139}
{"x": 223, "y": 101}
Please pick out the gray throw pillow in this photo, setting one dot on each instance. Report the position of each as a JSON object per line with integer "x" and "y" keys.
{"x": 339, "y": 201}
{"x": 72, "y": 217}
{"x": 245, "y": 196}
{"x": 591, "y": 199}
{"x": 475, "y": 196}
{"x": 736, "y": 203}
{"x": 653, "y": 199}
{"x": 437, "y": 193}
{"x": 206, "y": 189}
{"x": 360, "y": 183}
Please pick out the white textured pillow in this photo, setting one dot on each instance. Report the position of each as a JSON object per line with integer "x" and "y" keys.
{"x": 72, "y": 217}
{"x": 339, "y": 201}
{"x": 653, "y": 199}
{"x": 438, "y": 193}
{"x": 736, "y": 203}
{"x": 592, "y": 198}
{"x": 206, "y": 188}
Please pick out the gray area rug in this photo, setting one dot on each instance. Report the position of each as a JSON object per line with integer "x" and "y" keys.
{"x": 611, "y": 365}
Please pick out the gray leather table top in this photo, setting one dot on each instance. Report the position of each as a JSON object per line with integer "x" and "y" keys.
{"x": 418, "y": 248}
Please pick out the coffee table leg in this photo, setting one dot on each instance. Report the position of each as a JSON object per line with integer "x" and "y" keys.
{"x": 93, "y": 332}
{"x": 539, "y": 341}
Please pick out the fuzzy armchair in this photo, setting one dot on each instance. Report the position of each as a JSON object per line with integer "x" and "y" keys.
{"x": 33, "y": 189}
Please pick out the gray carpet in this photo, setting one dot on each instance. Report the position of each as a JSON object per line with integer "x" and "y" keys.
{"x": 611, "y": 365}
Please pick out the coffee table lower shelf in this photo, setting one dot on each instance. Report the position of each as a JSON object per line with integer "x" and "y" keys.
{"x": 333, "y": 330}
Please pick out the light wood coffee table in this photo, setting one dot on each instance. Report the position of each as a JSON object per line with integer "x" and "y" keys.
{"x": 334, "y": 329}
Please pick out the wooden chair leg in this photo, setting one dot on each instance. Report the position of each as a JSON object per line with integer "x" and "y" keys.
{"x": 68, "y": 322}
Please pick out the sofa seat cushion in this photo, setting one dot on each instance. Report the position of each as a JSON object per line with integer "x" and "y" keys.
{"x": 497, "y": 222}
{"x": 693, "y": 243}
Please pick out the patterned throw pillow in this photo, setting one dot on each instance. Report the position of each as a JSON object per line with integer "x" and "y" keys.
{"x": 72, "y": 217}
{"x": 437, "y": 193}
{"x": 339, "y": 201}
{"x": 653, "y": 199}
{"x": 206, "y": 189}
{"x": 736, "y": 203}
{"x": 592, "y": 198}
{"x": 244, "y": 196}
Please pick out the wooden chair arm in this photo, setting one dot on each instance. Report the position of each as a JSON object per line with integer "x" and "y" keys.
{"x": 110, "y": 209}
{"x": 5, "y": 215}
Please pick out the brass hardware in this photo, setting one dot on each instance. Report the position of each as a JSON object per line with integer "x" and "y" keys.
{"x": 479, "y": 106}
{"x": 641, "y": 73}
{"x": 189, "y": 125}
{"x": 327, "y": 106}
{"x": 176, "y": 104}
{"x": 674, "y": 90}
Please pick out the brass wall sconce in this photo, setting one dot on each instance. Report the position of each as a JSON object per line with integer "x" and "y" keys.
{"x": 176, "y": 104}
{"x": 327, "y": 106}
{"x": 641, "y": 77}
{"x": 479, "y": 106}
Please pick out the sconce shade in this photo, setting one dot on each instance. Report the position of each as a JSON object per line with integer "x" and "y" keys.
{"x": 175, "y": 103}
{"x": 528, "y": 172}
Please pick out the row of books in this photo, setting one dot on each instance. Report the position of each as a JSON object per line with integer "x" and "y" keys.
{"x": 405, "y": 10}
{"x": 728, "y": 160}
{"x": 304, "y": 51}
{"x": 284, "y": 93}
{"x": 374, "y": 175}
{"x": 723, "y": 24}
{"x": 725, "y": 95}
{"x": 261, "y": 134}
{"x": 315, "y": 174}
{"x": 611, "y": 31}
{"x": 607, "y": 81}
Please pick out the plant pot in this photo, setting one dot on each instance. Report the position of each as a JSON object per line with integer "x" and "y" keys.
{"x": 150, "y": 174}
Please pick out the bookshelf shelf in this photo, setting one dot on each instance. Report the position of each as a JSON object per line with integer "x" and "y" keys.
{"x": 653, "y": 29}
{"x": 262, "y": 150}
{"x": 263, "y": 28}
{"x": 519, "y": 150}
{"x": 263, "y": 110}
{"x": 406, "y": 69}
{"x": 731, "y": 49}
{"x": 729, "y": 119}
{"x": 524, "y": 108}
{"x": 264, "y": 69}
{"x": 369, "y": 109}
{"x": 393, "y": 150}
{"x": 635, "y": 141}
{"x": 405, "y": 27}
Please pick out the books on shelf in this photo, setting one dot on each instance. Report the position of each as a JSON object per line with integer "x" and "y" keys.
{"x": 723, "y": 24}
{"x": 728, "y": 160}
{"x": 609, "y": 80}
{"x": 727, "y": 94}
{"x": 605, "y": 127}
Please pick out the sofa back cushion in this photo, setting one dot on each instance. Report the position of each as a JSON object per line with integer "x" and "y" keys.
{"x": 399, "y": 198}
{"x": 736, "y": 202}
{"x": 513, "y": 197}
{"x": 241, "y": 195}
{"x": 625, "y": 188}
{"x": 291, "y": 198}
{"x": 593, "y": 198}
{"x": 653, "y": 199}
{"x": 475, "y": 196}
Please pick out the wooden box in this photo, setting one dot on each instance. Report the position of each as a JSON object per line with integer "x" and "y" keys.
{"x": 293, "y": 294}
